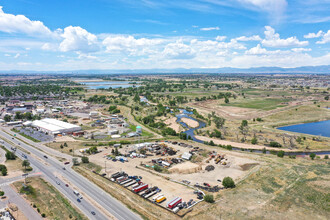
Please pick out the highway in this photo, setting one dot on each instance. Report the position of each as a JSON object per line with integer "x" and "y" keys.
{"x": 114, "y": 207}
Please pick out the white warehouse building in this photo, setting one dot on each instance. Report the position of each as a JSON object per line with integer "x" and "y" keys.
{"x": 53, "y": 126}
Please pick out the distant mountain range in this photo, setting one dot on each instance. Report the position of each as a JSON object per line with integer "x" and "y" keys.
{"x": 266, "y": 70}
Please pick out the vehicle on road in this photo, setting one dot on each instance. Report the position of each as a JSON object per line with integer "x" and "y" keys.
{"x": 78, "y": 200}
{"x": 76, "y": 192}
{"x": 45, "y": 156}
{"x": 93, "y": 213}
{"x": 63, "y": 168}
{"x": 67, "y": 162}
{"x": 67, "y": 185}
{"x": 58, "y": 183}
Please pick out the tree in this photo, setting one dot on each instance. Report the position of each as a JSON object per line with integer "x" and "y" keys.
{"x": 280, "y": 153}
{"x": 254, "y": 140}
{"x": 136, "y": 98}
{"x": 7, "y": 118}
{"x": 326, "y": 157}
{"x": 209, "y": 198}
{"x": 85, "y": 160}
{"x": 244, "y": 128}
{"x": 25, "y": 164}
{"x": 312, "y": 156}
{"x": 228, "y": 182}
{"x": 2, "y": 193}
{"x": 226, "y": 100}
{"x": 65, "y": 144}
{"x": 3, "y": 169}
{"x": 18, "y": 115}
{"x": 10, "y": 155}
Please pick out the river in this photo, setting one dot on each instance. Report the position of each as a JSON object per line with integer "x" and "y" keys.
{"x": 190, "y": 132}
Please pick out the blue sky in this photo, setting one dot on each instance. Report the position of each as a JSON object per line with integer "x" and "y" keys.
{"x": 148, "y": 34}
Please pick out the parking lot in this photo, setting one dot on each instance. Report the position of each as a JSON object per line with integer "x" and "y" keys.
{"x": 36, "y": 134}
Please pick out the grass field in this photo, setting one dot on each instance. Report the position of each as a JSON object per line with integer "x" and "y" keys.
{"x": 280, "y": 189}
{"x": 262, "y": 104}
{"x": 49, "y": 201}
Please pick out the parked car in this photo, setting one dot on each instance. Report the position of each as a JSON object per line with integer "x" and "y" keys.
{"x": 45, "y": 157}
{"x": 78, "y": 200}
{"x": 67, "y": 185}
{"x": 93, "y": 213}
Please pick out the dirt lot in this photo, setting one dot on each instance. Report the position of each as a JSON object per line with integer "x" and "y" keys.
{"x": 196, "y": 174}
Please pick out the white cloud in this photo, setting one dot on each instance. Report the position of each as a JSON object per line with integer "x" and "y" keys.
{"x": 220, "y": 38}
{"x": 251, "y": 38}
{"x": 130, "y": 44}
{"x": 17, "y": 55}
{"x": 256, "y": 50}
{"x": 10, "y": 23}
{"x": 298, "y": 50}
{"x": 325, "y": 38}
{"x": 210, "y": 29}
{"x": 178, "y": 50}
{"x": 313, "y": 35}
{"x": 78, "y": 39}
{"x": 273, "y": 39}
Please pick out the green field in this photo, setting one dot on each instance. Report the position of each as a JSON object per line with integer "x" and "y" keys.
{"x": 262, "y": 104}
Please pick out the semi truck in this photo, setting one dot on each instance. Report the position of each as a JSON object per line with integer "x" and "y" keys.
{"x": 140, "y": 188}
{"x": 174, "y": 202}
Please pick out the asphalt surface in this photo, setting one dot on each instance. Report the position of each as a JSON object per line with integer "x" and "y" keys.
{"x": 114, "y": 207}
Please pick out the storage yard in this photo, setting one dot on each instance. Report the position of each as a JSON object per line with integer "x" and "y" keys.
{"x": 178, "y": 177}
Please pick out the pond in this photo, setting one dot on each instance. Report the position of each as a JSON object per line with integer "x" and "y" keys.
{"x": 321, "y": 128}
{"x": 108, "y": 84}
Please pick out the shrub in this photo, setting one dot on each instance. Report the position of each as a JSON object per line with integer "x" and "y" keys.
{"x": 254, "y": 140}
{"x": 209, "y": 198}
{"x": 275, "y": 144}
{"x": 43, "y": 215}
{"x": 312, "y": 156}
{"x": 228, "y": 182}
{"x": 280, "y": 153}
{"x": 158, "y": 168}
{"x": 264, "y": 150}
{"x": 326, "y": 157}
{"x": 85, "y": 160}
{"x": 2, "y": 193}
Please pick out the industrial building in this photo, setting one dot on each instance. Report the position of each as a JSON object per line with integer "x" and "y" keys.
{"x": 53, "y": 126}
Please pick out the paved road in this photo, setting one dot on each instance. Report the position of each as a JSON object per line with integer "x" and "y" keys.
{"x": 110, "y": 204}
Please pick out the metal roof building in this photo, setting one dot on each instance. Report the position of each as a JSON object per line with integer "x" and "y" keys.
{"x": 53, "y": 126}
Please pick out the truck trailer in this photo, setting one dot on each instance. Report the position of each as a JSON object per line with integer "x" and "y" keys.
{"x": 126, "y": 181}
{"x": 160, "y": 199}
{"x": 150, "y": 194}
{"x": 174, "y": 202}
{"x": 140, "y": 188}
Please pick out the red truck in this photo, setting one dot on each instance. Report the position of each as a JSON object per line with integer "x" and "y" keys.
{"x": 140, "y": 188}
